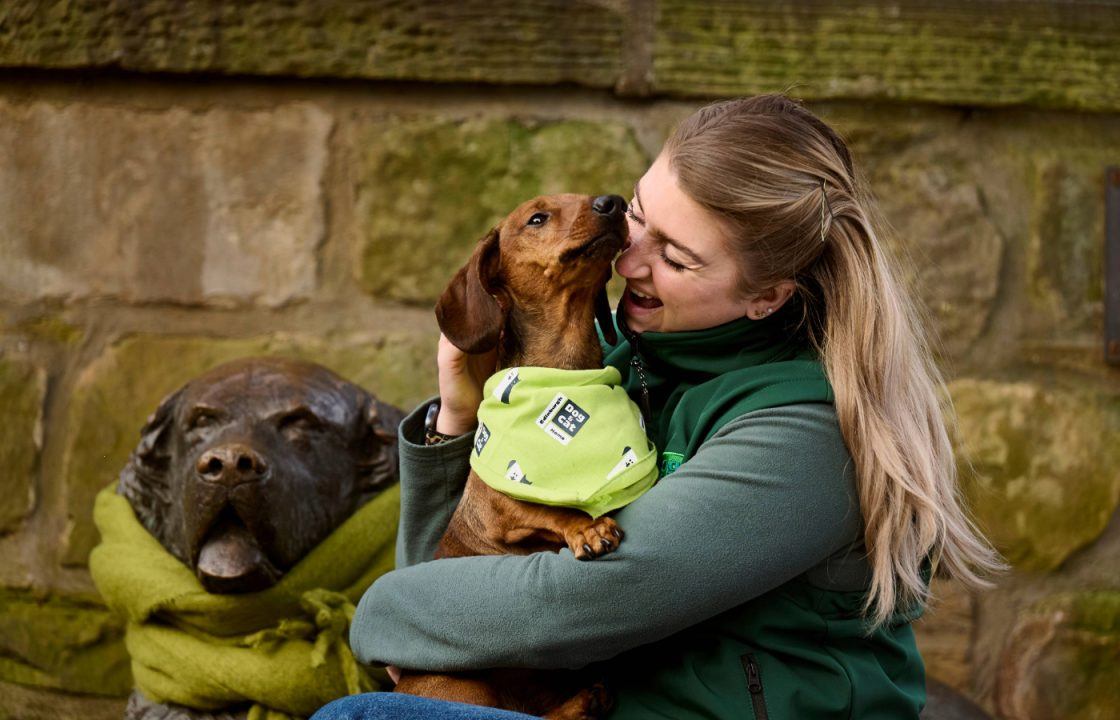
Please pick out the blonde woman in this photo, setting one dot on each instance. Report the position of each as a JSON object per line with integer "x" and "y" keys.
{"x": 808, "y": 489}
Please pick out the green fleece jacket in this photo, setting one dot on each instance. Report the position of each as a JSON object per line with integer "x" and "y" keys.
{"x": 735, "y": 593}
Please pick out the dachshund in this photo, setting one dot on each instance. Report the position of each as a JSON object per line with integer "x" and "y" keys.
{"x": 532, "y": 290}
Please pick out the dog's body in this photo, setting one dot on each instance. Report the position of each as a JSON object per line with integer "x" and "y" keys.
{"x": 242, "y": 471}
{"x": 531, "y": 290}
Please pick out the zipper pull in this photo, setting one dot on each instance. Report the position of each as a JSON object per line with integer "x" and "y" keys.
{"x": 754, "y": 680}
{"x": 644, "y": 406}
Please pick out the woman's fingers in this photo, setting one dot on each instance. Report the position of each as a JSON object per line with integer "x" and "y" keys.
{"x": 461, "y": 378}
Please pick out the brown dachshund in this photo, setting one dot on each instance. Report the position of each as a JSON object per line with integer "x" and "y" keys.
{"x": 532, "y": 289}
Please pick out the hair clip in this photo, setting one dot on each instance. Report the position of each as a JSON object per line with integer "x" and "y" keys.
{"x": 827, "y": 204}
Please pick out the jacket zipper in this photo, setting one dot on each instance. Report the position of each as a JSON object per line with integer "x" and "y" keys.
{"x": 637, "y": 366}
{"x": 644, "y": 406}
{"x": 754, "y": 686}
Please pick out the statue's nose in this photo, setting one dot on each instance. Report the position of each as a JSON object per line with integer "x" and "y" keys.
{"x": 231, "y": 465}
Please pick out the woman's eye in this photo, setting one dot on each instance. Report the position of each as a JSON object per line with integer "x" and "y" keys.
{"x": 633, "y": 215}
{"x": 676, "y": 266}
{"x": 538, "y": 219}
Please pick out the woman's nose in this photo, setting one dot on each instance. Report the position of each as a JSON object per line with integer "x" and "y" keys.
{"x": 632, "y": 262}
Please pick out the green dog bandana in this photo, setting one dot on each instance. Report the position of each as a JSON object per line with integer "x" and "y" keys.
{"x": 283, "y": 649}
{"x": 571, "y": 438}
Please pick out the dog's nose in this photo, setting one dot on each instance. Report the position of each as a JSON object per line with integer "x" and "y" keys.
{"x": 231, "y": 465}
{"x": 609, "y": 205}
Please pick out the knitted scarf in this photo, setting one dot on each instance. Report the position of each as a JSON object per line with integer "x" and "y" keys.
{"x": 283, "y": 649}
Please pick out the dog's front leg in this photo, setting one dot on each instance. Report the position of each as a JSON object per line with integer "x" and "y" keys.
{"x": 521, "y": 524}
{"x": 463, "y": 688}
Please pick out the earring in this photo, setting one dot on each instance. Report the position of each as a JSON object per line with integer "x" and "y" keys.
{"x": 769, "y": 310}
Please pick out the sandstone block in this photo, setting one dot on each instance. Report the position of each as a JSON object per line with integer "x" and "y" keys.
{"x": 63, "y": 643}
{"x": 1061, "y": 658}
{"x": 971, "y": 53}
{"x": 929, "y": 192}
{"x": 533, "y": 41}
{"x": 1065, "y": 253}
{"x": 1040, "y": 468}
{"x": 430, "y": 188}
{"x": 945, "y": 635}
{"x": 31, "y": 703}
{"x": 121, "y": 388}
{"x": 22, "y": 390}
{"x": 221, "y": 206}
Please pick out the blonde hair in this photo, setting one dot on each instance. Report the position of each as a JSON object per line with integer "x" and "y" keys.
{"x": 783, "y": 184}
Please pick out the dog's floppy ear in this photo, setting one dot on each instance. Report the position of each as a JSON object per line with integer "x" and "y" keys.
{"x": 378, "y": 466}
{"x": 144, "y": 481}
{"x": 468, "y": 312}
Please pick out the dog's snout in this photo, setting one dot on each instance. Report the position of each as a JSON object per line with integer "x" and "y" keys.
{"x": 231, "y": 465}
{"x": 609, "y": 205}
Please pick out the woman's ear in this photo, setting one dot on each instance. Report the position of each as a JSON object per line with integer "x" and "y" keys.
{"x": 468, "y": 313}
{"x": 769, "y": 301}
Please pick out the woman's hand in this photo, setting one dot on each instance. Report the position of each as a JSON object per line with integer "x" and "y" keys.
{"x": 461, "y": 377}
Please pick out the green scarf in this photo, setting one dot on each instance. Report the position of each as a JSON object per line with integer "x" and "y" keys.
{"x": 571, "y": 438}
{"x": 283, "y": 649}
{"x": 697, "y": 381}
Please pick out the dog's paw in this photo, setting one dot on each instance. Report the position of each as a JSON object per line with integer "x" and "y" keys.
{"x": 597, "y": 538}
{"x": 590, "y": 703}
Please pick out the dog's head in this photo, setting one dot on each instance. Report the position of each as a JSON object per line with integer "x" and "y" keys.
{"x": 554, "y": 248}
{"x": 244, "y": 469}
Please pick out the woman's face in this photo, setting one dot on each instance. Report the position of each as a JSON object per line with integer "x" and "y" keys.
{"x": 679, "y": 272}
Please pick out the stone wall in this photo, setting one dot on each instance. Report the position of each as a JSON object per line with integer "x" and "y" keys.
{"x": 184, "y": 183}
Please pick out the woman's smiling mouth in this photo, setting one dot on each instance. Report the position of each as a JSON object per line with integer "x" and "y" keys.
{"x": 637, "y": 299}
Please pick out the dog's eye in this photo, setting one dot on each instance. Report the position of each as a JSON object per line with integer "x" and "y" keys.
{"x": 538, "y": 219}
{"x": 202, "y": 420}
{"x": 295, "y": 424}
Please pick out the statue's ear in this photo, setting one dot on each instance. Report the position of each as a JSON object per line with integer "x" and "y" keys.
{"x": 145, "y": 480}
{"x": 469, "y": 312}
{"x": 378, "y": 466}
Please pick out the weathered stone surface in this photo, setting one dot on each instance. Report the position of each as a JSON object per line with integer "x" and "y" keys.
{"x": 1065, "y": 254}
{"x": 219, "y": 206}
{"x": 1041, "y": 468}
{"x": 21, "y": 702}
{"x": 429, "y": 188}
{"x": 62, "y": 643}
{"x": 120, "y": 389}
{"x": 1060, "y": 661}
{"x": 929, "y": 186}
{"x": 22, "y": 389}
{"x": 980, "y": 53}
{"x": 945, "y": 634}
{"x": 534, "y": 41}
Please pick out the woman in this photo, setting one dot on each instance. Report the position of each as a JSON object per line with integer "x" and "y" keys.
{"x": 808, "y": 490}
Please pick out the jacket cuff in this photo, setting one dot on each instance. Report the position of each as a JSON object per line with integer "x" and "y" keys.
{"x": 412, "y": 449}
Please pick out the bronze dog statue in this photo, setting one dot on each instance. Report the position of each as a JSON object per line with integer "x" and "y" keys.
{"x": 245, "y": 469}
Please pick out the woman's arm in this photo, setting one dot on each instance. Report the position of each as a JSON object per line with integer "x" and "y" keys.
{"x": 432, "y": 480}
{"x": 766, "y": 499}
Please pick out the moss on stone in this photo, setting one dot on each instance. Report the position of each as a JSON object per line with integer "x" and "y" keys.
{"x": 120, "y": 389}
{"x": 430, "y": 188}
{"x": 22, "y": 389}
{"x": 534, "y": 41}
{"x": 50, "y": 328}
{"x": 1061, "y": 659}
{"x": 965, "y": 54}
{"x": 64, "y": 643}
{"x": 1038, "y": 467}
